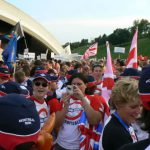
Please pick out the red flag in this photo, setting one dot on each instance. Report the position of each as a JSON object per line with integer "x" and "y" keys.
{"x": 91, "y": 51}
{"x": 132, "y": 57}
{"x": 108, "y": 78}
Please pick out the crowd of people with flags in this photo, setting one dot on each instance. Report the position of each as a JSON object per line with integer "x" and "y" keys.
{"x": 86, "y": 105}
{"x": 88, "y": 101}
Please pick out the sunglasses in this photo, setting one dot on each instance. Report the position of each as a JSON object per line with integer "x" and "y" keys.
{"x": 44, "y": 84}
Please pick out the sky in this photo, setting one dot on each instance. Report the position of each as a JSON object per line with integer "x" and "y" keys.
{"x": 74, "y": 20}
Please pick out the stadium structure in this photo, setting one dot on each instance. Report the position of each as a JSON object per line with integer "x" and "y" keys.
{"x": 38, "y": 39}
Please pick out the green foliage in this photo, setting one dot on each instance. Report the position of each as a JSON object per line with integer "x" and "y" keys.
{"x": 119, "y": 38}
{"x": 143, "y": 49}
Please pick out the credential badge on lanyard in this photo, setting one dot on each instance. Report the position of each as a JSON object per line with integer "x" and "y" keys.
{"x": 132, "y": 134}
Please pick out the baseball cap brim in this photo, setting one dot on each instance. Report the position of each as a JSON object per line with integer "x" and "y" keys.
{"x": 15, "y": 140}
{"x": 41, "y": 76}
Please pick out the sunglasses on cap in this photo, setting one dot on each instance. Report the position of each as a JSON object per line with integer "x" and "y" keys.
{"x": 44, "y": 84}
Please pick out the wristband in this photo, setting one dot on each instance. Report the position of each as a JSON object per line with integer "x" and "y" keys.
{"x": 86, "y": 100}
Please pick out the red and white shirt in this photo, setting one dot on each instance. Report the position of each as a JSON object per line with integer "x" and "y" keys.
{"x": 42, "y": 109}
{"x": 69, "y": 134}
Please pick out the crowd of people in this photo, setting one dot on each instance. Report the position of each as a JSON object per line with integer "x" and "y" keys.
{"x": 31, "y": 93}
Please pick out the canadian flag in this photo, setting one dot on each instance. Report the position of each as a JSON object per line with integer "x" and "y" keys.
{"x": 91, "y": 51}
{"x": 108, "y": 78}
{"x": 132, "y": 57}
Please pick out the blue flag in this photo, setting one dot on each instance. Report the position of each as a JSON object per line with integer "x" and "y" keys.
{"x": 9, "y": 53}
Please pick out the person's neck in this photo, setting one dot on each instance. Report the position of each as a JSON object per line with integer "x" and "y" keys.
{"x": 39, "y": 98}
{"x": 123, "y": 118}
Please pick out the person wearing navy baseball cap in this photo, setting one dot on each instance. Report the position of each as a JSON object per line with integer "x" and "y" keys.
{"x": 20, "y": 123}
{"x": 40, "y": 69}
{"x": 144, "y": 93}
{"x": 130, "y": 72}
{"x": 4, "y": 75}
{"x": 40, "y": 88}
{"x": 51, "y": 98}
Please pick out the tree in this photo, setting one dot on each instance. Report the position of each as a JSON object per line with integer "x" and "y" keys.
{"x": 98, "y": 39}
{"x": 119, "y": 36}
{"x": 103, "y": 39}
{"x": 143, "y": 27}
{"x": 84, "y": 42}
{"x": 74, "y": 45}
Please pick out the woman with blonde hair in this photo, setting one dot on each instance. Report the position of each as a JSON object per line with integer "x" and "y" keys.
{"x": 126, "y": 103}
{"x": 144, "y": 93}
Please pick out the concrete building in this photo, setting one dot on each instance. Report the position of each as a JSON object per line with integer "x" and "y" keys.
{"x": 38, "y": 39}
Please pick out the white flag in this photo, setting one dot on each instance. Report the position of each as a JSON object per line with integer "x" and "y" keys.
{"x": 68, "y": 50}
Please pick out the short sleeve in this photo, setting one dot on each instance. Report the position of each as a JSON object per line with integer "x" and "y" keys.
{"x": 54, "y": 105}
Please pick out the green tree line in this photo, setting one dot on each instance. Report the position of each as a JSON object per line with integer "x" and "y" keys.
{"x": 119, "y": 36}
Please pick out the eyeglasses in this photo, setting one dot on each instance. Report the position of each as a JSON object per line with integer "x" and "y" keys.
{"x": 44, "y": 84}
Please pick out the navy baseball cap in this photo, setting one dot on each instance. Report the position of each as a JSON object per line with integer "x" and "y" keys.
{"x": 42, "y": 76}
{"x": 20, "y": 121}
{"x": 91, "y": 81}
{"x": 53, "y": 78}
{"x": 4, "y": 72}
{"x": 10, "y": 87}
{"x": 131, "y": 72}
{"x": 71, "y": 72}
{"x": 144, "y": 87}
{"x": 40, "y": 69}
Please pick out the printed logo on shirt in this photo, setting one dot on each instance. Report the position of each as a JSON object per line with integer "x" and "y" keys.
{"x": 43, "y": 114}
{"x": 72, "y": 122}
{"x": 74, "y": 111}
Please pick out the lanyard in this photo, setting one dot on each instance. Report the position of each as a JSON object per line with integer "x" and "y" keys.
{"x": 127, "y": 127}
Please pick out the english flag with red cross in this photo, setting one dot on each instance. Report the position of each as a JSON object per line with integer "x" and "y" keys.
{"x": 108, "y": 78}
{"x": 91, "y": 51}
{"x": 132, "y": 57}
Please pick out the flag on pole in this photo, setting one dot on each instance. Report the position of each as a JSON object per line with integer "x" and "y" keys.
{"x": 18, "y": 31}
{"x": 132, "y": 57}
{"x": 108, "y": 78}
{"x": 9, "y": 53}
{"x": 91, "y": 51}
{"x": 68, "y": 49}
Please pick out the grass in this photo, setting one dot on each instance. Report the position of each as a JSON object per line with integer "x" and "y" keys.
{"x": 143, "y": 49}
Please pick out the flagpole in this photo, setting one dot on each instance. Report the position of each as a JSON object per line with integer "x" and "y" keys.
{"x": 25, "y": 43}
{"x": 119, "y": 56}
{"x": 26, "y": 47}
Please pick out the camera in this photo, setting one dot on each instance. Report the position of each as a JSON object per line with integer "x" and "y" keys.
{"x": 69, "y": 89}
